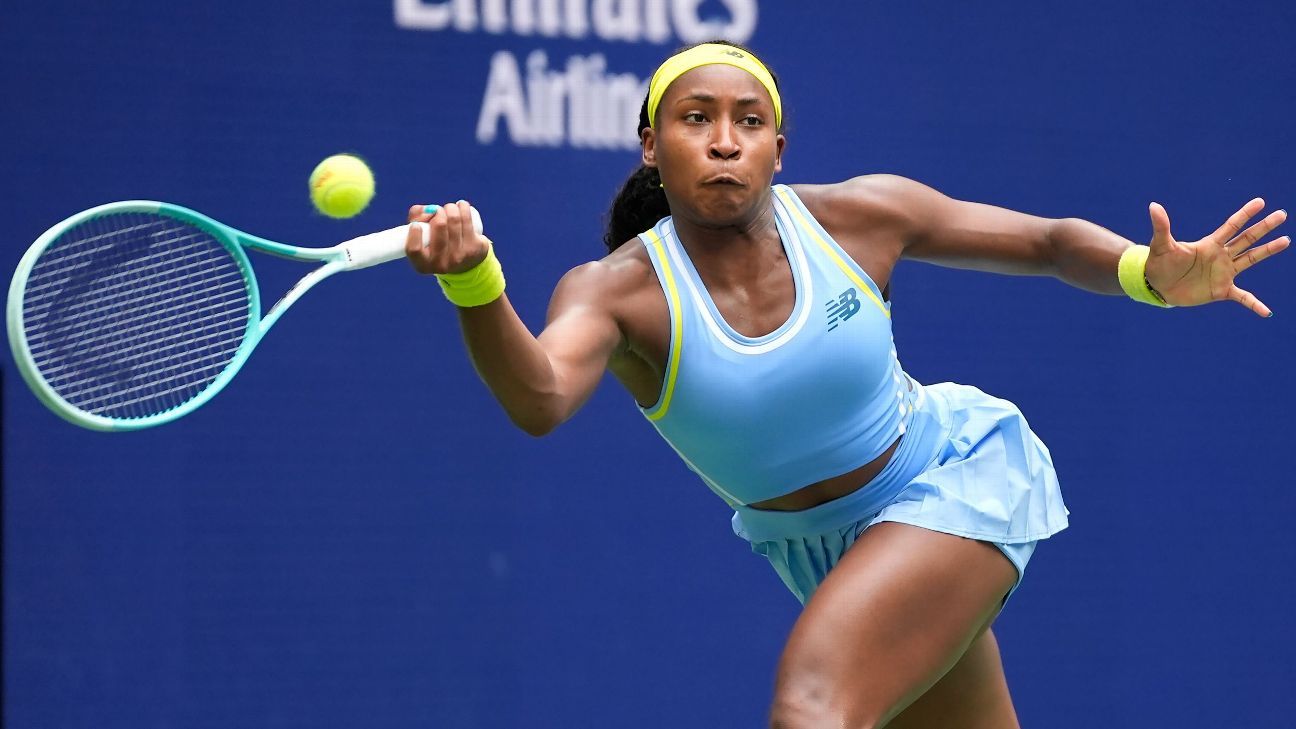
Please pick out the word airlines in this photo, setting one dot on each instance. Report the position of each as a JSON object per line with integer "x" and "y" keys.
{"x": 578, "y": 102}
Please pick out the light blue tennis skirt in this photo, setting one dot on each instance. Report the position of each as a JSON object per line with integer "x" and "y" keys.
{"x": 968, "y": 465}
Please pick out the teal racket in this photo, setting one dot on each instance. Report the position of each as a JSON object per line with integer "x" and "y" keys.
{"x": 133, "y": 314}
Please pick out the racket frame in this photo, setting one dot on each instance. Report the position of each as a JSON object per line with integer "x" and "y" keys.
{"x": 357, "y": 253}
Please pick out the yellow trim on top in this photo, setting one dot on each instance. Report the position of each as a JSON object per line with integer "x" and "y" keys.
{"x": 832, "y": 254}
{"x": 677, "y": 330}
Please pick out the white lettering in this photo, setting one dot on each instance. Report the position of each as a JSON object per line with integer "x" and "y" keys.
{"x": 581, "y": 76}
{"x": 494, "y": 16}
{"x": 575, "y": 19}
{"x": 547, "y": 92}
{"x": 627, "y": 94}
{"x": 581, "y": 105}
{"x": 692, "y": 29}
{"x": 415, "y": 15}
{"x": 525, "y": 20}
{"x": 656, "y": 21}
{"x": 688, "y": 26}
{"x": 742, "y": 20}
{"x": 612, "y": 20}
{"x": 504, "y": 98}
{"x": 616, "y": 19}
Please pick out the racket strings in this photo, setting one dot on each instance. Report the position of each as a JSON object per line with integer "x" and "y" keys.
{"x": 43, "y": 295}
{"x": 134, "y": 314}
{"x": 60, "y": 375}
{"x": 81, "y": 324}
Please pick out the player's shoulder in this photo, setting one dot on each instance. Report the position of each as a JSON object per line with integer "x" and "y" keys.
{"x": 879, "y": 198}
{"x": 621, "y": 272}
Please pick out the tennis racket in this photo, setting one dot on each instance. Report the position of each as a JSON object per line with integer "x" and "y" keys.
{"x": 133, "y": 314}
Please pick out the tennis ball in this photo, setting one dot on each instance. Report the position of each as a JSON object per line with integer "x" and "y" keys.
{"x": 341, "y": 186}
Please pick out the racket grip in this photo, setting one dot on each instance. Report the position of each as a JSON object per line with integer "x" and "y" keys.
{"x": 388, "y": 245}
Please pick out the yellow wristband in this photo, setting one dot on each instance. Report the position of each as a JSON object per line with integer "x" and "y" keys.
{"x": 477, "y": 286}
{"x": 1131, "y": 271}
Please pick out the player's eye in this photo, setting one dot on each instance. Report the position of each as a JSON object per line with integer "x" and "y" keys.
{"x": 751, "y": 120}
{"x": 694, "y": 116}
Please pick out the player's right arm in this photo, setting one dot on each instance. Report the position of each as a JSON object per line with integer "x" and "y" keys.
{"x": 540, "y": 381}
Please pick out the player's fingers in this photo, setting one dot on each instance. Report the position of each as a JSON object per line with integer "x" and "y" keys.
{"x": 450, "y": 213}
{"x": 465, "y": 221}
{"x": 1249, "y": 236}
{"x": 1230, "y": 228}
{"x": 428, "y": 242}
{"x": 421, "y": 213}
{"x": 1160, "y": 226}
{"x": 1248, "y": 299}
{"x": 1252, "y": 256}
{"x": 415, "y": 251}
{"x": 435, "y": 243}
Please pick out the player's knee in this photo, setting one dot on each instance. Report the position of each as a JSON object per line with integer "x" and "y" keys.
{"x": 808, "y": 704}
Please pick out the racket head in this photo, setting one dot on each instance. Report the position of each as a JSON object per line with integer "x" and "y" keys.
{"x": 132, "y": 314}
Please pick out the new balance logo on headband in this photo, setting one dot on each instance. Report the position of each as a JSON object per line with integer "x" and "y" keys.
{"x": 843, "y": 307}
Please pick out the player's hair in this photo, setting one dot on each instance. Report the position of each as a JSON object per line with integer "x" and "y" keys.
{"x": 641, "y": 202}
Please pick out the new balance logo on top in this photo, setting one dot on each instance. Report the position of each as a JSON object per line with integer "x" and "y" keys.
{"x": 843, "y": 307}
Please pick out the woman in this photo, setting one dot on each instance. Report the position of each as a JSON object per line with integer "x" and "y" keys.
{"x": 752, "y": 327}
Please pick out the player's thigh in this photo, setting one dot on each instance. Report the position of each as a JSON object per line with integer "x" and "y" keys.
{"x": 894, "y": 615}
{"x": 972, "y": 695}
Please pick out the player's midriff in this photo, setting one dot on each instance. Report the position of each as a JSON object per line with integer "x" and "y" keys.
{"x": 830, "y": 488}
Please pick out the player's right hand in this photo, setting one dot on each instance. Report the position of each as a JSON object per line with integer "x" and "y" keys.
{"x": 453, "y": 245}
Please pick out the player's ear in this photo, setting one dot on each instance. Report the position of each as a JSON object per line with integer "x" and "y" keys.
{"x": 780, "y": 144}
{"x": 648, "y": 139}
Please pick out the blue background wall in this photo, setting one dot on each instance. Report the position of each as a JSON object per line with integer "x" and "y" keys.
{"x": 352, "y": 535}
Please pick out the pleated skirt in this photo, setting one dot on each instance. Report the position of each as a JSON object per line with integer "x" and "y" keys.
{"x": 968, "y": 465}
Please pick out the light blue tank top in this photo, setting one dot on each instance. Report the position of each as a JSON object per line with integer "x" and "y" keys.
{"x": 821, "y": 395}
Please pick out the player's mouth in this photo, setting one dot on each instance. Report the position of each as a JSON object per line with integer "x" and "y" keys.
{"x": 723, "y": 178}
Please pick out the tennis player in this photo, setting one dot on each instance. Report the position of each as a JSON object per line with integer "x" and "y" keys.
{"x": 751, "y": 322}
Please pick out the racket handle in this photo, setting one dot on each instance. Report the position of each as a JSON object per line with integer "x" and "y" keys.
{"x": 388, "y": 245}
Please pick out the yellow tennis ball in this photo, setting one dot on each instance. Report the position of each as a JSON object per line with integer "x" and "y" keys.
{"x": 341, "y": 186}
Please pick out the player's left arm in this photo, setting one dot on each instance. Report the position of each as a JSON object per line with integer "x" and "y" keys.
{"x": 941, "y": 230}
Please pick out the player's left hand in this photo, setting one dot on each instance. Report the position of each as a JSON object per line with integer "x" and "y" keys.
{"x": 1188, "y": 274}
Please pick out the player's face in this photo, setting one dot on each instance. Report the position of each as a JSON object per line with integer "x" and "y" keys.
{"x": 715, "y": 145}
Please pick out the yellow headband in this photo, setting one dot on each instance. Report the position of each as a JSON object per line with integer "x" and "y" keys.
{"x": 705, "y": 54}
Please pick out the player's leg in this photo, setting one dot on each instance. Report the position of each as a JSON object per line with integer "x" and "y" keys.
{"x": 973, "y": 695}
{"x": 895, "y": 615}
